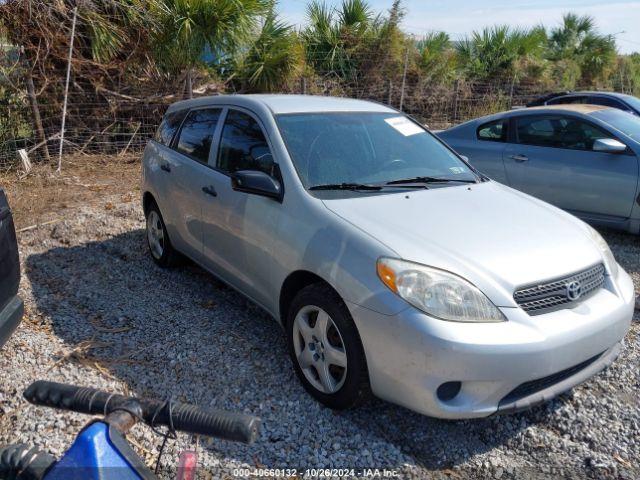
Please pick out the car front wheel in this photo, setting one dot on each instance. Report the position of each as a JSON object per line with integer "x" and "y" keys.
{"x": 325, "y": 348}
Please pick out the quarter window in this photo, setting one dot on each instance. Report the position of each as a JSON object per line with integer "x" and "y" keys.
{"x": 169, "y": 126}
{"x": 558, "y": 132}
{"x": 197, "y": 133}
{"x": 243, "y": 145}
{"x": 493, "y": 131}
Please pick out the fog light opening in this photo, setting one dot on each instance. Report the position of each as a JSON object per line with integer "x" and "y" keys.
{"x": 448, "y": 391}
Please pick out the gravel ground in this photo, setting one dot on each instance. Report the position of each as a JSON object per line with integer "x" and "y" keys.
{"x": 99, "y": 313}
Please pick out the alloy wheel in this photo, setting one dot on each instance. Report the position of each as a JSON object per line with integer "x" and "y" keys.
{"x": 155, "y": 234}
{"x": 319, "y": 349}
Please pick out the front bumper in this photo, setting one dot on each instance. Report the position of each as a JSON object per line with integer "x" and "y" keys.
{"x": 409, "y": 355}
{"x": 10, "y": 317}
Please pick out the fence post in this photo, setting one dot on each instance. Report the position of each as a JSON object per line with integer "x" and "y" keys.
{"x": 455, "y": 101}
{"x": 37, "y": 120}
{"x": 303, "y": 85}
{"x": 404, "y": 77}
{"x": 390, "y": 92}
{"x": 513, "y": 82}
{"x": 66, "y": 86}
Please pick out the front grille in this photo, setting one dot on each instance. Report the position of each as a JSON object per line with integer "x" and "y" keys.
{"x": 534, "y": 386}
{"x": 562, "y": 292}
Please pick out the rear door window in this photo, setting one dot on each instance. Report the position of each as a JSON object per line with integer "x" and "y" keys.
{"x": 243, "y": 145}
{"x": 493, "y": 131}
{"x": 196, "y": 134}
{"x": 169, "y": 126}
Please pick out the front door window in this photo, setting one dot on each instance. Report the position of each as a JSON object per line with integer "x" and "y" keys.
{"x": 243, "y": 145}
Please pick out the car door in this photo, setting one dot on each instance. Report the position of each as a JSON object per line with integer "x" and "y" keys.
{"x": 186, "y": 164}
{"x": 9, "y": 271}
{"x": 157, "y": 167}
{"x": 551, "y": 157}
{"x": 238, "y": 231}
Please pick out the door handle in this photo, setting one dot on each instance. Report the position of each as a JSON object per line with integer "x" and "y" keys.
{"x": 166, "y": 167}
{"x": 520, "y": 158}
{"x": 210, "y": 191}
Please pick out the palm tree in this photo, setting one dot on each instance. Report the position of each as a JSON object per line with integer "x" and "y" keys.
{"x": 578, "y": 40}
{"x": 566, "y": 40}
{"x": 334, "y": 37}
{"x": 496, "y": 51}
{"x": 274, "y": 56}
{"x": 437, "y": 56}
{"x": 188, "y": 27}
{"x": 108, "y": 28}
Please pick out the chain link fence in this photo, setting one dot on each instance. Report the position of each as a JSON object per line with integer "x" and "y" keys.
{"x": 122, "y": 125}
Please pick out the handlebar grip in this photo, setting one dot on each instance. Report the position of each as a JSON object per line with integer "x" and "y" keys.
{"x": 20, "y": 462}
{"x": 237, "y": 427}
{"x": 184, "y": 417}
{"x": 69, "y": 397}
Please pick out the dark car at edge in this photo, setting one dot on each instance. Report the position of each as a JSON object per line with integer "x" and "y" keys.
{"x": 11, "y": 306}
{"x": 621, "y": 101}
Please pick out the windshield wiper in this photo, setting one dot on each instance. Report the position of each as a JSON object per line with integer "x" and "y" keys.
{"x": 428, "y": 180}
{"x": 346, "y": 186}
{"x": 362, "y": 186}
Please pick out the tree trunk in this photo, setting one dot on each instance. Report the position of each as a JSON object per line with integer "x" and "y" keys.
{"x": 37, "y": 120}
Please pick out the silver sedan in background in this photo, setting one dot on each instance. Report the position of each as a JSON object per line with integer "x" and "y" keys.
{"x": 392, "y": 265}
{"x": 584, "y": 159}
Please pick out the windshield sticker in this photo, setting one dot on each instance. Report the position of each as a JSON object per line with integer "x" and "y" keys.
{"x": 456, "y": 170}
{"x": 405, "y": 126}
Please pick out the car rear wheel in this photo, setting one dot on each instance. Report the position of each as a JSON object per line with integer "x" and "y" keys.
{"x": 160, "y": 248}
{"x": 325, "y": 348}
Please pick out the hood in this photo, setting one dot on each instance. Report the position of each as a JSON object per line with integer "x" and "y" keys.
{"x": 495, "y": 237}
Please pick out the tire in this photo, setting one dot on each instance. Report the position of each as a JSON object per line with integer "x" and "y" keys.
{"x": 160, "y": 247}
{"x": 316, "y": 357}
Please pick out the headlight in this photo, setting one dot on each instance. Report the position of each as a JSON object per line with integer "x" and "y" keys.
{"x": 436, "y": 292}
{"x": 609, "y": 260}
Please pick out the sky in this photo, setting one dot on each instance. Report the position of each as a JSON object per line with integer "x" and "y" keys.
{"x": 459, "y": 17}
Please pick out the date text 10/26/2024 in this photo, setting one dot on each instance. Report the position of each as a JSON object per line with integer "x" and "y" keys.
{"x": 316, "y": 472}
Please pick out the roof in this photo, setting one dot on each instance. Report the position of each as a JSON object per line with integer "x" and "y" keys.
{"x": 278, "y": 104}
{"x": 596, "y": 92}
{"x": 570, "y": 107}
{"x": 574, "y": 108}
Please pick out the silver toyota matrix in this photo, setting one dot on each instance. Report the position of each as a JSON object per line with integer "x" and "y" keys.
{"x": 394, "y": 267}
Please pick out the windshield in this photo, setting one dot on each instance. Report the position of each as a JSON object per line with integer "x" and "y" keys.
{"x": 365, "y": 148}
{"x": 625, "y": 122}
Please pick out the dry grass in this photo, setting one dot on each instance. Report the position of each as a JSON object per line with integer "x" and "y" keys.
{"x": 42, "y": 195}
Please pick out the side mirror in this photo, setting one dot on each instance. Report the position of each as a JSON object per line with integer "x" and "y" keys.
{"x": 609, "y": 145}
{"x": 256, "y": 182}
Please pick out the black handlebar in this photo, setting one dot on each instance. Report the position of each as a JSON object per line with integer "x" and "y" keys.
{"x": 184, "y": 417}
{"x": 19, "y": 462}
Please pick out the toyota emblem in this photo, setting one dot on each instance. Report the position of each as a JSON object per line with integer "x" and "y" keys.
{"x": 574, "y": 290}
